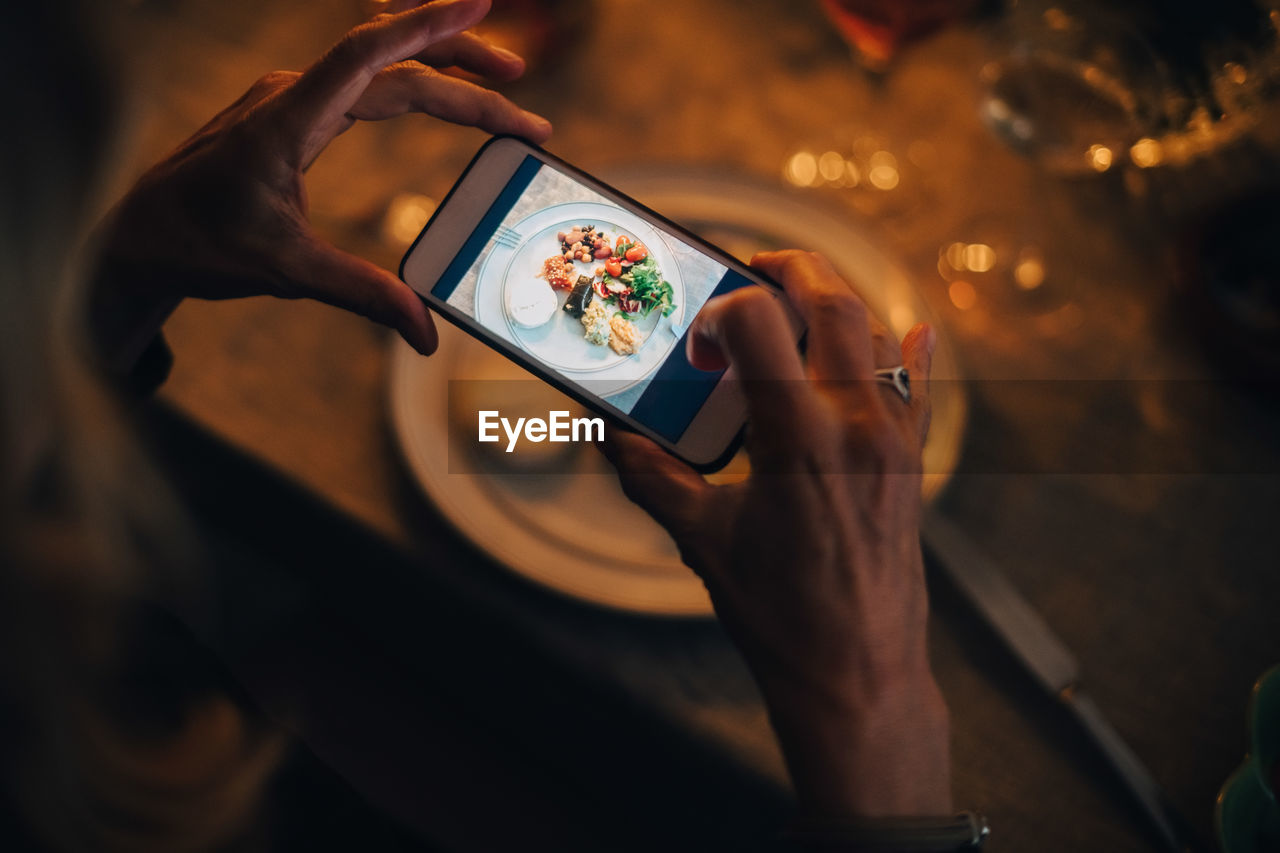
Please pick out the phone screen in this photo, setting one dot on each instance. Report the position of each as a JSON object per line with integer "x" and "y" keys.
{"x": 591, "y": 291}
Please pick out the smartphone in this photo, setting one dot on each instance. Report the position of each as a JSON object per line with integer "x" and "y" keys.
{"x": 587, "y": 289}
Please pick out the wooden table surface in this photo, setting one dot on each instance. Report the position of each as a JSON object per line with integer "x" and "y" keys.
{"x": 1159, "y": 573}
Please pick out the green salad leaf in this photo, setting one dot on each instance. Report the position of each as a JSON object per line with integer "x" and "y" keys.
{"x": 648, "y": 287}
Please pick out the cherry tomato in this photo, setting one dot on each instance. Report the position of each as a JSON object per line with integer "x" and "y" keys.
{"x": 637, "y": 253}
{"x": 613, "y": 267}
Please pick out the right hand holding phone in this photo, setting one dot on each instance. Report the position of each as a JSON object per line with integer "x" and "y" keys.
{"x": 813, "y": 563}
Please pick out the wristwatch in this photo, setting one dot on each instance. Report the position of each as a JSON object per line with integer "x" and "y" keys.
{"x": 965, "y": 831}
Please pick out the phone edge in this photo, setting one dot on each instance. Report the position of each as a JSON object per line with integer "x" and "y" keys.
{"x": 559, "y": 384}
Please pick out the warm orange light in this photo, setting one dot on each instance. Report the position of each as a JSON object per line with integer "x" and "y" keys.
{"x": 1099, "y": 157}
{"x": 883, "y": 173}
{"x": 801, "y": 169}
{"x": 901, "y": 318}
{"x": 962, "y": 295}
{"x": 831, "y": 166}
{"x": 406, "y": 216}
{"x": 883, "y": 177}
{"x": 1029, "y": 273}
{"x": 884, "y": 158}
{"x": 979, "y": 257}
{"x": 1057, "y": 19}
{"x": 1177, "y": 149}
{"x": 1146, "y": 152}
{"x": 851, "y": 174}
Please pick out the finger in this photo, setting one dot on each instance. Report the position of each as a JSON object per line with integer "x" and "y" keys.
{"x": 468, "y": 51}
{"x": 316, "y": 106}
{"x": 323, "y": 272}
{"x": 473, "y": 53}
{"x": 839, "y": 323}
{"x": 917, "y": 356}
{"x": 749, "y": 331}
{"x": 660, "y": 484}
{"x": 413, "y": 87}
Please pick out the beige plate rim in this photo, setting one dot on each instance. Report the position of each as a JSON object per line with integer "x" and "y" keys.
{"x": 479, "y": 505}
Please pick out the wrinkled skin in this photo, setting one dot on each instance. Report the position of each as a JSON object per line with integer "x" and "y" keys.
{"x": 813, "y": 563}
{"x": 225, "y": 215}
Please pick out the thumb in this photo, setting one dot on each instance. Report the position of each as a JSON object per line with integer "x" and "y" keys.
{"x": 660, "y": 484}
{"x": 917, "y": 357}
{"x": 328, "y": 274}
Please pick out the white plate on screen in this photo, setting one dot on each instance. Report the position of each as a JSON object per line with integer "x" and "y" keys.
{"x": 532, "y": 523}
{"x": 559, "y": 343}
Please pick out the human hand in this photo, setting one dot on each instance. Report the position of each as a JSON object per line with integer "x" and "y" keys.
{"x": 813, "y": 563}
{"x": 225, "y": 215}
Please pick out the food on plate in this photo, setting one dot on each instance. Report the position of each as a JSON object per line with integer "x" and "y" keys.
{"x": 582, "y": 243}
{"x": 624, "y": 286}
{"x": 558, "y": 272}
{"x": 531, "y": 303}
{"x": 640, "y": 289}
{"x": 580, "y": 297}
{"x": 596, "y": 322}
{"x": 625, "y": 339}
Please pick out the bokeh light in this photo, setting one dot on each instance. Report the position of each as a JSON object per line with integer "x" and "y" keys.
{"x": 1099, "y": 157}
{"x": 407, "y": 215}
{"x": 979, "y": 257}
{"x": 962, "y": 294}
{"x": 1029, "y": 273}
{"x": 801, "y": 169}
{"x": 883, "y": 172}
{"x": 1146, "y": 152}
{"x": 831, "y": 166}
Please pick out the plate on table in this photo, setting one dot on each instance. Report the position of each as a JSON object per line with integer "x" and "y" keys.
{"x": 533, "y": 522}
{"x": 560, "y": 342}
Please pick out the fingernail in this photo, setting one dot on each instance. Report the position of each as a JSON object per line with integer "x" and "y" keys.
{"x": 422, "y": 344}
{"x": 926, "y": 335}
{"x": 930, "y": 338}
{"x": 508, "y": 55}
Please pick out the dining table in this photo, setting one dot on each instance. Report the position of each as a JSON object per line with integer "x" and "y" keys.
{"x": 1119, "y": 471}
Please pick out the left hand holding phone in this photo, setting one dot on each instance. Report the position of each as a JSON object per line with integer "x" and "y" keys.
{"x": 225, "y": 215}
